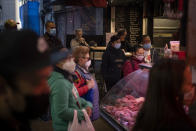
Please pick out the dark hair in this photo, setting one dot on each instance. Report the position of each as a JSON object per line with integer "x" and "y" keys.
{"x": 10, "y": 25}
{"x": 121, "y": 32}
{"x": 137, "y": 47}
{"x": 23, "y": 42}
{"x": 112, "y": 39}
{"x": 164, "y": 100}
{"x": 144, "y": 36}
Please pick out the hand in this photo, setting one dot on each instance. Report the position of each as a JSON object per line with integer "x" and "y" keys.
{"x": 81, "y": 39}
{"x": 90, "y": 84}
{"x": 124, "y": 51}
{"x": 89, "y": 111}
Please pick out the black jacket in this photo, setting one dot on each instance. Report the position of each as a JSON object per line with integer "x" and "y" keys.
{"x": 53, "y": 41}
{"x": 126, "y": 46}
{"x": 112, "y": 62}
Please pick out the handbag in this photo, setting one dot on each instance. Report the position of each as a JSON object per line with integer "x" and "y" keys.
{"x": 85, "y": 125}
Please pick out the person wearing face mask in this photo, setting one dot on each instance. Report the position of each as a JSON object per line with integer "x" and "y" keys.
{"x": 125, "y": 45}
{"x": 151, "y": 55}
{"x": 84, "y": 82}
{"x": 64, "y": 97}
{"x": 112, "y": 62}
{"x": 132, "y": 64}
{"x": 24, "y": 91}
{"x": 50, "y": 35}
{"x": 78, "y": 40}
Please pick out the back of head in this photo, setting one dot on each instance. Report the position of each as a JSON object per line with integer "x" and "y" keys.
{"x": 164, "y": 99}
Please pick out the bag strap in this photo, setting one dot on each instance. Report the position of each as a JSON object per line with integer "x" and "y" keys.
{"x": 77, "y": 102}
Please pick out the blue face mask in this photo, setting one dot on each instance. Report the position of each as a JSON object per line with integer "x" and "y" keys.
{"x": 117, "y": 46}
{"x": 147, "y": 46}
{"x": 53, "y": 32}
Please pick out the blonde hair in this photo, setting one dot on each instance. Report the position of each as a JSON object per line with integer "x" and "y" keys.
{"x": 79, "y": 52}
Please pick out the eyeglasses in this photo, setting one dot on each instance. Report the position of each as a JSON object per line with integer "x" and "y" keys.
{"x": 86, "y": 58}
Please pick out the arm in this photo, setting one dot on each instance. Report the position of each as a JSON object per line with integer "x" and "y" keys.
{"x": 85, "y": 103}
{"x": 60, "y": 97}
{"x": 82, "y": 90}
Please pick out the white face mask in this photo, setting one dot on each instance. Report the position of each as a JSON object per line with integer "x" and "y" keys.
{"x": 140, "y": 57}
{"x": 53, "y": 32}
{"x": 88, "y": 64}
{"x": 69, "y": 66}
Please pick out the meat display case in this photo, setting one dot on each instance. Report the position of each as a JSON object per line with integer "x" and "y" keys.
{"x": 121, "y": 104}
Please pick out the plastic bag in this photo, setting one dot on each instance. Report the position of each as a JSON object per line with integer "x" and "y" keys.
{"x": 85, "y": 125}
{"x": 74, "y": 126}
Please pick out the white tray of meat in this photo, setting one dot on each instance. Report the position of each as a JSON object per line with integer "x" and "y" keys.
{"x": 125, "y": 110}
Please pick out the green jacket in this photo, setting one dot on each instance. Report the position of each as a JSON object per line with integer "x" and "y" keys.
{"x": 63, "y": 102}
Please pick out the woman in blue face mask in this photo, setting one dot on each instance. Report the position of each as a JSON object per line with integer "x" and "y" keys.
{"x": 112, "y": 62}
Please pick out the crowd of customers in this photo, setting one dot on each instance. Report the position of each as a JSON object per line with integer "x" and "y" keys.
{"x": 38, "y": 75}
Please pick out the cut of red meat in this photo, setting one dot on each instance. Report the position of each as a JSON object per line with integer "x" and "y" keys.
{"x": 125, "y": 110}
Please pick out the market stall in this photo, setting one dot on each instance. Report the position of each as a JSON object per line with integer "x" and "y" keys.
{"x": 122, "y": 103}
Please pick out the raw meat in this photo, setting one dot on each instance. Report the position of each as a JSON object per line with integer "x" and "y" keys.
{"x": 125, "y": 110}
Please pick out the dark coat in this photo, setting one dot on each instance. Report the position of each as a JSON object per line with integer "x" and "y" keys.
{"x": 111, "y": 68}
{"x": 53, "y": 41}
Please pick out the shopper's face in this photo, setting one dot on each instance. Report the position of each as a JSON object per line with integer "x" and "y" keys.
{"x": 140, "y": 51}
{"x": 34, "y": 83}
{"x": 51, "y": 26}
{"x": 84, "y": 59}
{"x": 146, "y": 40}
{"x": 79, "y": 34}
